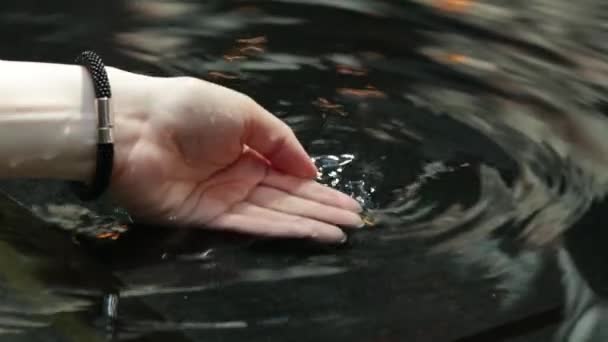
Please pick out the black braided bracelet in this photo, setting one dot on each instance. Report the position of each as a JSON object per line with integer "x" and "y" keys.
{"x": 105, "y": 140}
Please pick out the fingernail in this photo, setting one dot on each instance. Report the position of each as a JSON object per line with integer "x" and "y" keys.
{"x": 343, "y": 240}
{"x": 356, "y": 221}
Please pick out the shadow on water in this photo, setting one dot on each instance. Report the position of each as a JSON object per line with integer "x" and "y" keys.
{"x": 471, "y": 131}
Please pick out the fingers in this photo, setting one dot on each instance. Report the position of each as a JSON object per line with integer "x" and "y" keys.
{"x": 284, "y": 202}
{"x": 273, "y": 139}
{"x": 311, "y": 190}
{"x": 249, "y": 218}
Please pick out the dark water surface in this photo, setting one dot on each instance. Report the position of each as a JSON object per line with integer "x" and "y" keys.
{"x": 472, "y": 131}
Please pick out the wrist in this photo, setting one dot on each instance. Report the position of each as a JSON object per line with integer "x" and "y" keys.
{"x": 130, "y": 100}
{"x": 48, "y": 124}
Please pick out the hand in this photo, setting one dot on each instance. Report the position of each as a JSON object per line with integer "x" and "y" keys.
{"x": 200, "y": 155}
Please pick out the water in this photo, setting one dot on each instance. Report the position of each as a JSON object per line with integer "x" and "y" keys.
{"x": 471, "y": 131}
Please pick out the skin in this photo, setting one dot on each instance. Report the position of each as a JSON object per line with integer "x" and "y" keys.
{"x": 189, "y": 153}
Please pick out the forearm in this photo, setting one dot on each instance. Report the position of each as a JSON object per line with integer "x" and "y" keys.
{"x": 48, "y": 121}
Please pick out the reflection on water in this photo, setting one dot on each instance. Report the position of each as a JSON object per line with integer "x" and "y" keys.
{"x": 471, "y": 131}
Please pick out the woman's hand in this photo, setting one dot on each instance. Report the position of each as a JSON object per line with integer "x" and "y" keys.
{"x": 200, "y": 155}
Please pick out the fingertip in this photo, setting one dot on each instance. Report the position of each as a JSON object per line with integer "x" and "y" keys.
{"x": 296, "y": 162}
{"x": 334, "y": 235}
{"x": 312, "y": 170}
{"x": 337, "y": 239}
{"x": 356, "y": 221}
{"x": 308, "y": 170}
{"x": 277, "y": 142}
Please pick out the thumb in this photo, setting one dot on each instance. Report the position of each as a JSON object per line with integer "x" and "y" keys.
{"x": 273, "y": 139}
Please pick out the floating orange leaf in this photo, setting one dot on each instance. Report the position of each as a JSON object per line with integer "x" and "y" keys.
{"x": 108, "y": 235}
{"x": 250, "y": 50}
{"x": 247, "y": 47}
{"x": 221, "y": 75}
{"x": 253, "y": 41}
{"x": 231, "y": 58}
{"x": 458, "y": 6}
{"x": 369, "y": 92}
{"x": 456, "y": 58}
{"x": 347, "y": 70}
{"x": 325, "y": 104}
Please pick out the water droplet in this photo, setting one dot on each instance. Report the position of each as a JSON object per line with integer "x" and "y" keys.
{"x": 332, "y": 173}
{"x": 346, "y": 159}
{"x": 110, "y": 306}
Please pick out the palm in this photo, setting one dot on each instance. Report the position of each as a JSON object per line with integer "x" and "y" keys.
{"x": 200, "y": 170}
